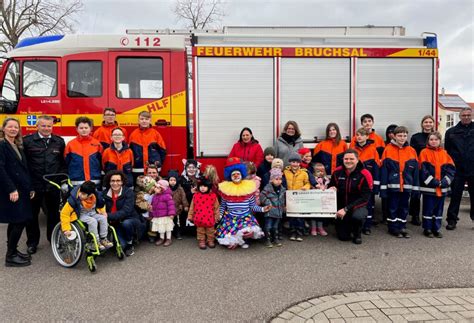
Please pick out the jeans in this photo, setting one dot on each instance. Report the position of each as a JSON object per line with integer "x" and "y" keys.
{"x": 297, "y": 226}
{"x": 129, "y": 229}
{"x": 351, "y": 223}
{"x": 271, "y": 224}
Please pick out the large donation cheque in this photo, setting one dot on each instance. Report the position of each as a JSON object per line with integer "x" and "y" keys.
{"x": 311, "y": 204}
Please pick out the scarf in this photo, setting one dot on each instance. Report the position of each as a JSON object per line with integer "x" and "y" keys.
{"x": 289, "y": 139}
{"x": 89, "y": 203}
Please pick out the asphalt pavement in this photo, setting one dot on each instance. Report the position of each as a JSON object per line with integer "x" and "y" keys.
{"x": 183, "y": 283}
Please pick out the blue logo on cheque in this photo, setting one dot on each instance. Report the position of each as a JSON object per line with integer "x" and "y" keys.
{"x": 31, "y": 120}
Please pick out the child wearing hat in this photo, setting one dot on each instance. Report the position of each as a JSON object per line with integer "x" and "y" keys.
{"x": 266, "y": 165}
{"x": 273, "y": 195}
{"x": 145, "y": 189}
{"x": 204, "y": 213}
{"x": 296, "y": 179}
{"x": 162, "y": 213}
{"x": 180, "y": 202}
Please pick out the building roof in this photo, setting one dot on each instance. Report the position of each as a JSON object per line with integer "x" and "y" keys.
{"x": 471, "y": 104}
{"x": 452, "y": 102}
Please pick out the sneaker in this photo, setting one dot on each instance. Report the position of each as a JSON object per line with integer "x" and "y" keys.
{"x": 438, "y": 234}
{"x": 293, "y": 237}
{"x": 277, "y": 243}
{"x": 268, "y": 244}
{"x": 322, "y": 232}
{"x": 299, "y": 238}
{"x": 405, "y": 234}
{"x": 314, "y": 232}
{"x": 106, "y": 243}
{"x": 399, "y": 235}
{"x": 178, "y": 236}
{"x": 451, "y": 226}
{"x": 428, "y": 234}
{"x": 367, "y": 232}
{"x": 244, "y": 246}
{"x": 90, "y": 246}
{"x": 129, "y": 250}
{"x": 102, "y": 247}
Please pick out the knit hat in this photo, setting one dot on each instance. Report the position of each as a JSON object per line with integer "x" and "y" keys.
{"x": 277, "y": 162}
{"x": 294, "y": 157}
{"x": 147, "y": 183}
{"x": 303, "y": 151}
{"x": 234, "y": 164}
{"x": 275, "y": 173}
{"x": 163, "y": 184}
{"x": 173, "y": 173}
{"x": 269, "y": 151}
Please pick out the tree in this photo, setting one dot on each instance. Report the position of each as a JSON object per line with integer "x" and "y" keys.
{"x": 199, "y": 14}
{"x": 20, "y": 18}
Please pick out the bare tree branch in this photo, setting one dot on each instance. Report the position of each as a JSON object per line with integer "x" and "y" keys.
{"x": 23, "y": 18}
{"x": 199, "y": 14}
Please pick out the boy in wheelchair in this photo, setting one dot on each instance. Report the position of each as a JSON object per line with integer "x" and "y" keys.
{"x": 86, "y": 203}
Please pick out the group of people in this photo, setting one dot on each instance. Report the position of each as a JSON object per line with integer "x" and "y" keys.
{"x": 248, "y": 204}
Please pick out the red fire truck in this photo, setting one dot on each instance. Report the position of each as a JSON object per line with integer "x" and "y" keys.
{"x": 259, "y": 77}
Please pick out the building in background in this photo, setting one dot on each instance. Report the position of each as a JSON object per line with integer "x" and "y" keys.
{"x": 449, "y": 106}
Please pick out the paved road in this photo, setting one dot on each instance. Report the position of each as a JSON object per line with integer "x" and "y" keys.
{"x": 183, "y": 283}
{"x": 423, "y": 305}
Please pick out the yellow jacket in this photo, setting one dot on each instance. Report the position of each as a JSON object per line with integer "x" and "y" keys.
{"x": 71, "y": 208}
{"x": 297, "y": 180}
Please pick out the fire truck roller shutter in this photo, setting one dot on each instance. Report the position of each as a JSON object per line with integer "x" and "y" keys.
{"x": 394, "y": 90}
{"x": 233, "y": 93}
{"x": 314, "y": 92}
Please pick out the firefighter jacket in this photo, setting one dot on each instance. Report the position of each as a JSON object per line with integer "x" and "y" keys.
{"x": 148, "y": 147}
{"x": 44, "y": 157}
{"x": 353, "y": 189}
{"x": 399, "y": 171}
{"x": 377, "y": 140}
{"x": 120, "y": 160}
{"x": 459, "y": 143}
{"x": 369, "y": 157}
{"x": 436, "y": 171}
{"x": 104, "y": 134}
{"x": 328, "y": 153}
{"x": 83, "y": 159}
{"x": 250, "y": 152}
{"x": 296, "y": 180}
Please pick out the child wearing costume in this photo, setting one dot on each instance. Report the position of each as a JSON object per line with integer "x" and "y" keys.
{"x": 238, "y": 203}
{"x": 162, "y": 213}
{"x": 322, "y": 182}
{"x": 145, "y": 189}
{"x": 204, "y": 212}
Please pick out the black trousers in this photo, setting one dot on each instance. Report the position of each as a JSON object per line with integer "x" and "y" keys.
{"x": 14, "y": 231}
{"x": 457, "y": 188}
{"x": 50, "y": 200}
{"x": 415, "y": 206}
{"x": 351, "y": 224}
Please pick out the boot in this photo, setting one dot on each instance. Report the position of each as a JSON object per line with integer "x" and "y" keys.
{"x": 12, "y": 259}
{"x": 357, "y": 234}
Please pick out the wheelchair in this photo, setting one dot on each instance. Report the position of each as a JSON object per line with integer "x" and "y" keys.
{"x": 69, "y": 251}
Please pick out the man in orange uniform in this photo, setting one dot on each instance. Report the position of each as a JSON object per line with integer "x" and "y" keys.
{"x": 83, "y": 154}
{"x": 104, "y": 132}
{"x": 147, "y": 145}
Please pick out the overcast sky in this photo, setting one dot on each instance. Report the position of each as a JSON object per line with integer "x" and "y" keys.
{"x": 452, "y": 20}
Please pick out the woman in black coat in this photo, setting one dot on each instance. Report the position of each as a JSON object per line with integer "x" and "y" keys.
{"x": 419, "y": 141}
{"x": 120, "y": 206}
{"x": 15, "y": 191}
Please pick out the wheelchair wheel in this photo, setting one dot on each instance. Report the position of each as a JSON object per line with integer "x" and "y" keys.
{"x": 67, "y": 252}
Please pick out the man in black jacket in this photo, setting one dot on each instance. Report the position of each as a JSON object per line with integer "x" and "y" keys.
{"x": 459, "y": 143}
{"x": 353, "y": 184}
{"x": 45, "y": 154}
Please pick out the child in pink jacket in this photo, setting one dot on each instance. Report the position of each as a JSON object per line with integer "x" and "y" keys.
{"x": 163, "y": 212}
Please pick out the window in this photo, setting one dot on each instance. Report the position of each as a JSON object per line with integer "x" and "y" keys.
{"x": 140, "y": 78}
{"x": 449, "y": 120}
{"x": 84, "y": 79}
{"x": 40, "y": 78}
{"x": 10, "y": 89}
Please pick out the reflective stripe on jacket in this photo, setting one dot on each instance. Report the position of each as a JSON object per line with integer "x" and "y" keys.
{"x": 148, "y": 147}
{"x": 328, "y": 153}
{"x": 83, "y": 159}
{"x": 436, "y": 171}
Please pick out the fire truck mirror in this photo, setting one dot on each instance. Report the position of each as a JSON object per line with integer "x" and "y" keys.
{"x": 56, "y": 120}
{"x": 7, "y": 106}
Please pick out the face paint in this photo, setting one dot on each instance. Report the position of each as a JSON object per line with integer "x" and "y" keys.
{"x": 236, "y": 176}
